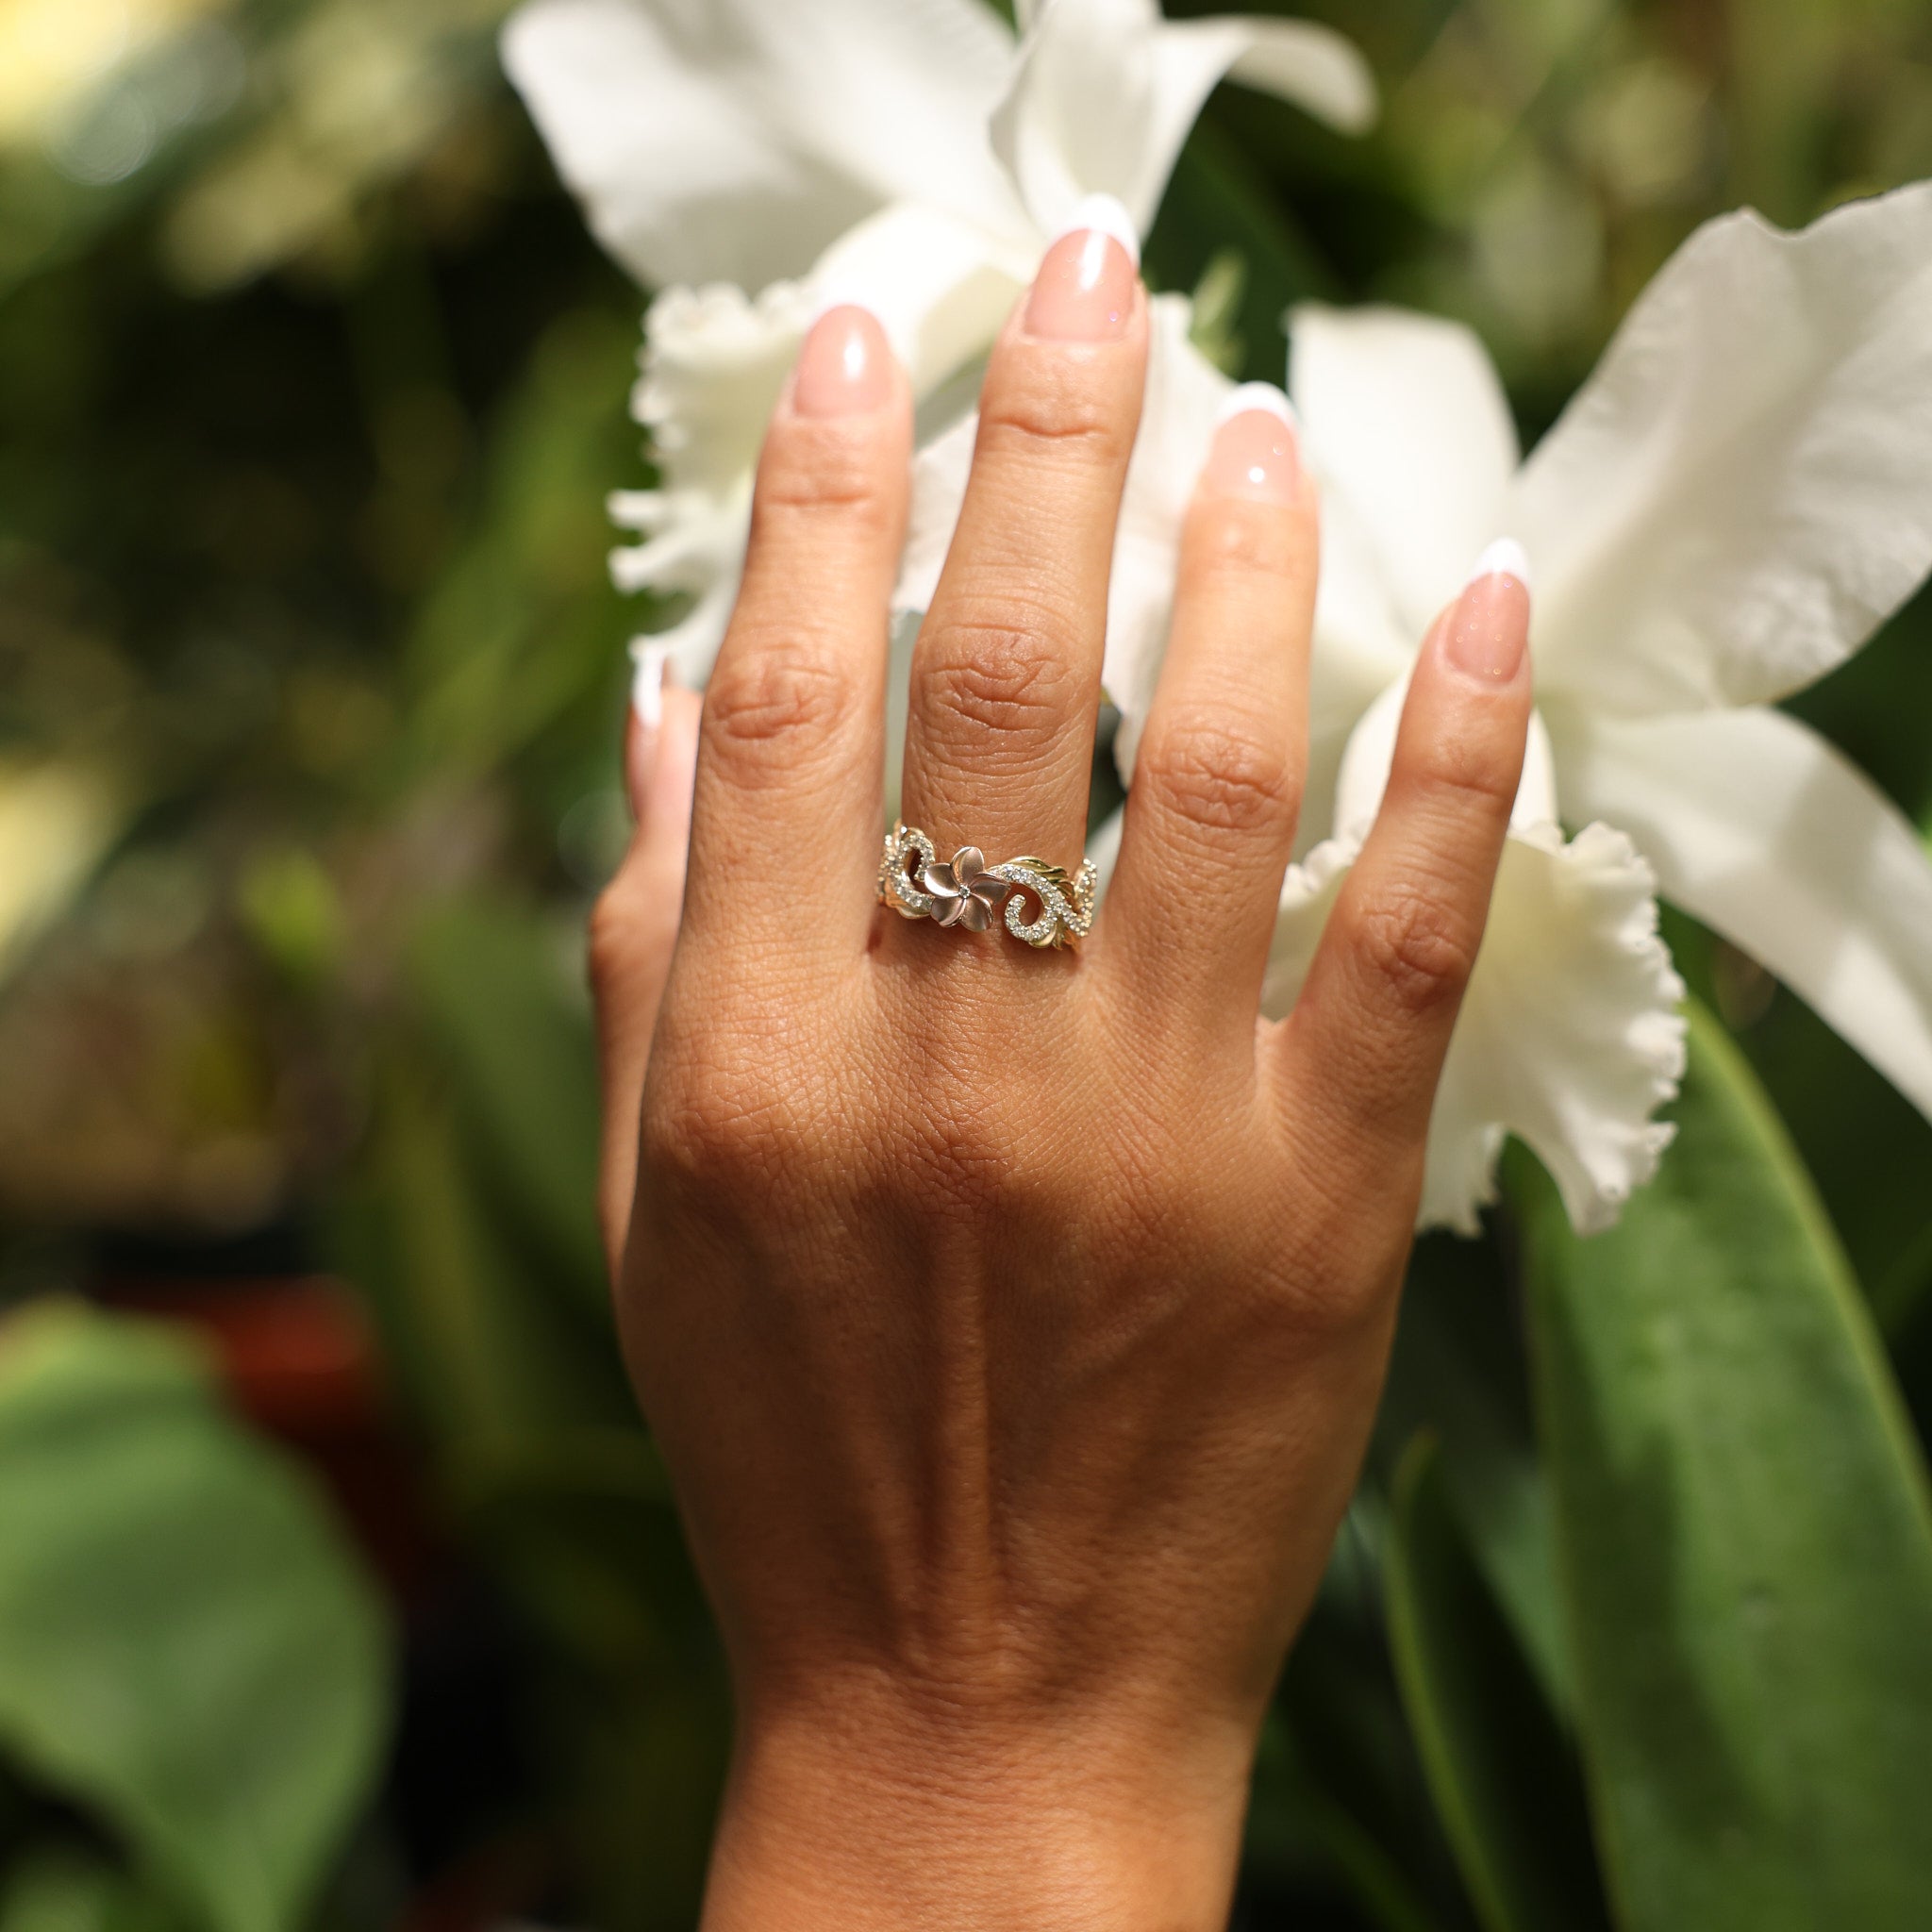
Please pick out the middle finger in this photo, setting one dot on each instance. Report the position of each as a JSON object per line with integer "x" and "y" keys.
{"x": 1006, "y": 674}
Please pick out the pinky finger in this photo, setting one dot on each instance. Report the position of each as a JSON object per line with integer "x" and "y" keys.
{"x": 633, "y": 931}
{"x": 1362, "y": 1051}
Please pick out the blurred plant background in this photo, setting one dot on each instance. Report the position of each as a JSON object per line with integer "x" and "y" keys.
{"x": 339, "y": 1586}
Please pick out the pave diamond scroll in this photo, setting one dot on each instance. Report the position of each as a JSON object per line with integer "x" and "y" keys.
{"x": 965, "y": 891}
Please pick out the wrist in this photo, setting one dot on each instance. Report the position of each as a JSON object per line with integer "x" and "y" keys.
{"x": 843, "y": 1816}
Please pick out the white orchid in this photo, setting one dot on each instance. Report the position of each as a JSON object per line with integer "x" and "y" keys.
{"x": 1735, "y": 501}
{"x": 908, "y": 155}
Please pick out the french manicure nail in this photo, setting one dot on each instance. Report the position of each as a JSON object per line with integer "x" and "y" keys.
{"x": 649, "y": 662}
{"x": 1504, "y": 558}
{"x": 844, "y": 368}
{"x": 1084, "y": 290}
{"x": 1254, "y": 450}
{"x": 1489, "y": 627}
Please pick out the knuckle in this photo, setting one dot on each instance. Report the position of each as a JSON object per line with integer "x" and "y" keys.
{"x": 1037, "y": 405}
{"x": 1469, "y": 772}
{"x": 995, "y": 664}
{"x": 1237, "y": 539}
{"x": 773, "y": 691}
{"x": 714, "y": 1135}
{"x": 1215, "y": 772}
{"x": 625, "y": 928}
{"x": 1415, "y": 950}
{"x": 812, "y": 473}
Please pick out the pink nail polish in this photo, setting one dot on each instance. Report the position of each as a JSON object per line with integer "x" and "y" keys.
{"x": 1488, "y": 629}
{"x": 1084, "y": 288}
{"x": 1254, "y": 451}
{"x": 844, "y": 368}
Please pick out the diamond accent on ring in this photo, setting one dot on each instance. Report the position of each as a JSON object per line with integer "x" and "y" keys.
{"x": 964, "y": 890}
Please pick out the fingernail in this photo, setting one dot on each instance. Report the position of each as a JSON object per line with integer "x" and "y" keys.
{"x": 1504, "y": 558}
{"x": 1254, "y": 452}
{"x": 1490, "y": 628}
{"x": 1084, "y": 291}
{"x": 844, "y": 368}
{"x": 649, "y": 660}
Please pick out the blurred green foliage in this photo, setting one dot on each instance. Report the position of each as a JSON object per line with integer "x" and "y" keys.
{"x": 186, "y": 1650}
{"x": 311, "y": 387}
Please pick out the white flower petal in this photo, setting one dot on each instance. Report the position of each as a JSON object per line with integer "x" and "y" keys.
{"x": 1105, "y": 93}
{"x": 1405, "y": 424}
{"x": 681, "y": 177}
{"x": 1104, "y": 849}
{"x": 1077, "y": 111}
{"x": 1742, "y": 491}
{"x": 1767, "y": 834}
{"x": 1569, "y": 1036}
{"x": 941, "y": 287}
{"x": 1371, "y": 752}
{"x": 1297, "y": 60}
{"x": 1179, "y": 415}
{"x": 897, "y": 93}
{"x": 713, "y": 363}
{"x": 734, "y": 139}
{"x": 700, "y": 537}
{"x": 939, "y": 488}
{"x": 1360, "y": 649}
{"x": 1300, "y": 60}
{"x": 1308, "y": 896}
{"x": 690, "y": 644}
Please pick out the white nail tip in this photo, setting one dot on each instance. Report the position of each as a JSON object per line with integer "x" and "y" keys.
{"x": 1257, "y": 395}
{"x": 826, "y": 300}
{"x": 1103, "y": 214}
{"x": 651, "y": 660}
{"x": 1504, "y": 558}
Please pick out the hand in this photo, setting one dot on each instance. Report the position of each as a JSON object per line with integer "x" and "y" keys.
{"x": 1012, "y": 1322}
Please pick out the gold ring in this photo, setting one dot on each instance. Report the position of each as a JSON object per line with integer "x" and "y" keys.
{"x": 965, "y": 891}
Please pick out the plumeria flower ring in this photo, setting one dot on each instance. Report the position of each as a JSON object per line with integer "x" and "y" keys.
{"x": 967, "y": 895}
{"x": 1734, "y": 502}
{"x": 756, "y": 159}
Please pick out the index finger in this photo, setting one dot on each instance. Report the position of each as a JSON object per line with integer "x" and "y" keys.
{"x": 785, "y": 826}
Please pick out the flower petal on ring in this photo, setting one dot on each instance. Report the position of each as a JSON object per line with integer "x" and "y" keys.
{"x": 967, "y": 863}
{"x": 949, "y": 911}
{"x": 1570, "y": 1035}
{"x": 939, "y": 881}
{"x": 974, "y": 914}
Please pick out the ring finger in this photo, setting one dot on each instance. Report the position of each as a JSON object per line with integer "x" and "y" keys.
{"x": 1006, "y": 674}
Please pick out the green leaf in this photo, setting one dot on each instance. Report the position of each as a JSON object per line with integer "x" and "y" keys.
{"x": 1505, "y": 1780}
{"x": 493, "y": 990}
{"x": 1460, "y": 1372}
{"x": 1743, "y": 1536}
{"x": 493, "y": 1355}
{"x": 1339, "y": 1804}
{"x": 1216, "y": 203}
{"x": 1299, "y": 1833}
{"x": 583, "y": 1530}
{"x": 60, "y": 1889}
{"x": 186, "y": 1647}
